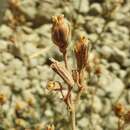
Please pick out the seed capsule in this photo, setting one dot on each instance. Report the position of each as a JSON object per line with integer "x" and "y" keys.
{"x": 62, "y": 72}
{"x": 60, "y": 32}
{"x": 81, "y": 52}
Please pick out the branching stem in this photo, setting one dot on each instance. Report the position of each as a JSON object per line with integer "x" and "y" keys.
{"x": 65, "y": 59}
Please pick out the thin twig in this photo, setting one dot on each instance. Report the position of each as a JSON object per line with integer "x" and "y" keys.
{"x": 65, "y": 59}
{"x": 40, "y": 52}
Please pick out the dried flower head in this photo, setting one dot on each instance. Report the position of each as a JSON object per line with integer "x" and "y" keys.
{"x": 81, "y": 52}
{"x": 62, "y": 72}
{"x": 53, "y": 85}
{"x": 3, "y": 98}
{"x": 127, "y": 117}
{"x": 60, "y": 32}
{"x": 119, "y": 110}
{"x": 50, "y": 127}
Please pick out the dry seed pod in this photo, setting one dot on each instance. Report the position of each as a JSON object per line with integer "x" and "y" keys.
{"x": 60, "y": 32}
{"x": 119, "y": 110}
{"x": 62, "y": 72}
{"x": 81, "y": 52}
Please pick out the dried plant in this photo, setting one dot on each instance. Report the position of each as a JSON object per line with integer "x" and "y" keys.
{"x": 123, "y": 116}
{"x": 73, "y": 78}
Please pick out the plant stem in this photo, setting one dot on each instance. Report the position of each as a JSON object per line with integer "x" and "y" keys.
{"x": 72, "y": 116}
{"x": 65, "y": 59}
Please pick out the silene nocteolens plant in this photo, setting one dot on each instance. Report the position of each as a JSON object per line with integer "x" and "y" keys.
{"x": 74, "y": 79}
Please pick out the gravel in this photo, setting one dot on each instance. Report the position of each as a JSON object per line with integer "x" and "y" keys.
{"x": 24, "y": 77}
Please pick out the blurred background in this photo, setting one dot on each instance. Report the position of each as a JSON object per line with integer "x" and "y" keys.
{"x": 26, "y": 45}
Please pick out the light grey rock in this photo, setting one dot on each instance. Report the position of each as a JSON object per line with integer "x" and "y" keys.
{"x": 50, "y": 8}
{"x": 17, "y": 85}
{"x": 33, "y": 73}
{"x": 15, "y": 50}
{"x": 29, "y": 48}
{"x": 5, "y": 31}
{"x": 126, "y": 63}
{"x": 32, "y": 38}
{"x": 2, "y": 67}
{"x": 45, "y": 73}
{"x": 112, "y": 121}
{"x": 3, "y": 7}
{"x": 6, "y": 57}
{"x": 49, "y": 113}
{"x": 106, "y": 51}
{"x": 29, "y": 8}
{"x": 26, "y": 83}
{"x": 33, "y": 62}
{"x": 44, "y": 32}
{"x": 15, "y": 64}
{"x": 121, "y": 74}
{"x": 95, "y": 9}
{"x": 98, "y": 127}
{"x": 115, "y": 88}
{"x": 80, "y": 19}
{"x": 94, "y": 24}
{"x": 81, "y": 6}
{"x": 92, "y": 37}
{"x": 3, "y": 45}
{"x": 97, "y": 104}
{"x": 83, "y": 123}
{"x": 119, "y": 55}
{"x": 114, "y": 66}
{"x": 106, "y": 109}
{"x": 96, "y": 119}
{"x": 22, "y": 72}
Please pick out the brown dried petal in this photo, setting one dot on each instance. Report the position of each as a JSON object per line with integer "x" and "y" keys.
{"x": 62, "y": 72}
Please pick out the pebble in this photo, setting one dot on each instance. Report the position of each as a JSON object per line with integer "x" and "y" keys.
{"x": 112, "y": 121}
{"x": 119, "y": 55}
{"x": 3, "y": 45}
{"x": 115, "y": 88}
{"x": 106, "y": 51}
{"x": 5, "y": 31}
{"x": 97, "y": 104}
{"x": 94, "y": 24}
{"x": 84, "y": 6}
{"x": 83, "y": 123}
{"x": 95, "y": 9}
{"x": 106, "y": 106}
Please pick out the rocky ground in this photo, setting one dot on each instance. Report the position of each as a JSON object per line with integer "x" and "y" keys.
{"x": 26, "y": 29}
